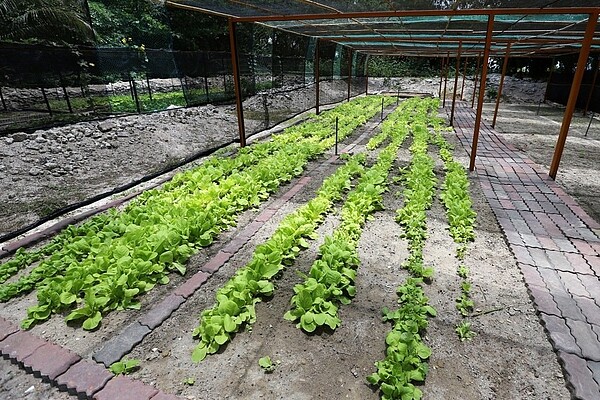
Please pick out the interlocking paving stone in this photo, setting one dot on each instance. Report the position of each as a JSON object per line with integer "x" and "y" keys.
{"x": 589, "y": 308}
{"x": 266, "y": 215}
{"x": 573, "y": 284}
{"x": 540, "y": 257}
{"x": 123, "y": 388}
{"x": 594, "y": 366}
{"x": 120, "y": 345}
{"x": 580, "y": 377}
{"x": 20, "y": 345}
{"x": 160, "y": 312}
{"x": 560, "y": 334}
{"x": 586, "y": 339}
{"x": 235, "y": 245}
{"x": 50, "y": 361}
{"x": 522, "y": 255}
{"x": 544, "y": 301}
{"x": 83, "y": 379}
{"x": 531, "y": 275}
{"x": 579, "y": 264}
{"x": 594, "y": 263}
{"x": 190, "y": 286}
{"x": 217, "y": 261}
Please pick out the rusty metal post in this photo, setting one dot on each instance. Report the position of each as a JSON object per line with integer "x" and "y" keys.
{"x": 317, "y": 77}
{"x": 2, "y": 100}
{"x": 462, "y": 88}
{"x": 484, "y": 68}
{"x": 367, "y": 75}
{"x": 236, "y": 82}
{"x": 446, "y": 78}
{"x": 349, "y": 74}
{"x": 456, "y": 72}
{"x": 549, "y": 79}
{"x": 587, "y": 104}
{"x": 575, "y": 86}
{"x": 46, "y": 101}
{"x": 476, "y": 78}
{"x": 501, "y": 85}
{"x": 443, "y": 59}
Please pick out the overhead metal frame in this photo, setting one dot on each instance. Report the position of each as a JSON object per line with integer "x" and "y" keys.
{"x": 468, "y": 33}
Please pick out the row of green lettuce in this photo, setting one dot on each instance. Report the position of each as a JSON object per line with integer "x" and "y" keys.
{"x": 108, "y": 262}
{"x": 234, "y": 306}
{"x": 405, "y": 363}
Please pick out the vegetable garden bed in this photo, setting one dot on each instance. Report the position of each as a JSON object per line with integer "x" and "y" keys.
{"x": 371, "y": 215}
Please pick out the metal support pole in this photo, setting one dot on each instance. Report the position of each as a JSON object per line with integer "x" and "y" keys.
{"x": 149, "y": 88}
{"x": 336, "y": 135}
{"x": 236, "y": 82}
{"x": 456, "y": 72}
{"x": 317, "y": 77}
{"x": 486, "y": 55}
{"x": 549, "y": 79}
{"x": 446, "y": 78}
{"x": 476, "y": 80}
{"x": 184, "y": 92}
{"x": 590, "y": 124}
{"x": 462, "y": 88}
{"x": 367, "y": 75}
{"x": 135, "y": 97}
{"x": 349, "y": 74}
{"x": 206, "y": 88}
{"x": 587, "y": 104}
{"x": 3, "y": 101}
{"x": 46, "y": 101}
{"x": 65, "y": 93}
{"x": 501, "y": 85}
{"x": 575, "y": 86}
{"x": 443, "y": 60}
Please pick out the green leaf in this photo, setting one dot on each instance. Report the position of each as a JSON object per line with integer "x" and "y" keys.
{"x": 228, "y": 324}
{"x": 67, "y": 298}
{"x": 199, "y": 353}
{"x": 166, "y": 257}
{"x": 92, "y": 322}
{"x": 266, "y": 364}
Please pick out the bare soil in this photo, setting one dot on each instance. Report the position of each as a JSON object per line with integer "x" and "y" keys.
{"x": 509, "y": 358}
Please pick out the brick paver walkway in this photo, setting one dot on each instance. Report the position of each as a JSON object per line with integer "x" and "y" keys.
{"x": 555, "y": 246}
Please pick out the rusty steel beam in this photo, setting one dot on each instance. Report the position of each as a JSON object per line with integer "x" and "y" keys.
{"x": 406, "y": 13}
{"x": 236, "y": 82}
{"x": 349, "y": 73}
{"x": 442, "y": 61}
{"x": 501, "y": 85}
{"x": 462, "y": 88}
{"x": 446, "y": 78}
{"x": 317, "y": 78}
{"x": 476, "y": 79}
{"x": 484, "y": 68}
{"x": 456, "y": 72}
{"x": 549, "y": 79}
{"x": 589, "y": 99}
{"x": 575, "y": 86}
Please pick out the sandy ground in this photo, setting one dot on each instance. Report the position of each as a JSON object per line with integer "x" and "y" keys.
{"x": 509, "y": 358}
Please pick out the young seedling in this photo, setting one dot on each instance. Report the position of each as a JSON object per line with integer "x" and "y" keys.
{"x": 124, "y": 367}
{"x": 464, "y": 331}
{"x": 266, "y": 364}
{"x": 190, "y": 381}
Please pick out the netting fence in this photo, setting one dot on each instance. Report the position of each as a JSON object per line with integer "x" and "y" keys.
{"x": 43, "y": 86}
